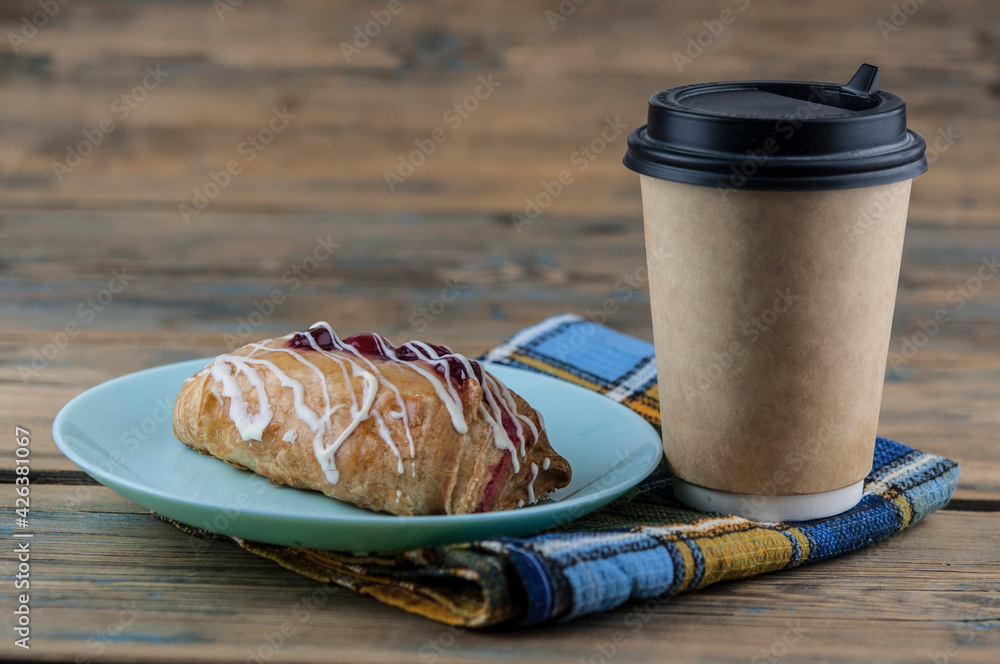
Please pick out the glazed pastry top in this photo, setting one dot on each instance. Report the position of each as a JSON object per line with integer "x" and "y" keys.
{"x": 376, "y": 370}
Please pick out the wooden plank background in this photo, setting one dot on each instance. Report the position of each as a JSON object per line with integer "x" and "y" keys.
{"x": 113, "y": 584}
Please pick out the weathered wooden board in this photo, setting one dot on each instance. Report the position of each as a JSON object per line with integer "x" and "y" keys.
{"x": 111, "y": 583}
{"x": 114, "y": 582}
{"x": 554, "y": 84}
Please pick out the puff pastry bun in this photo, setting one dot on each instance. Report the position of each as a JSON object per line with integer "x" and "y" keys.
{"x": 413, "y": 429}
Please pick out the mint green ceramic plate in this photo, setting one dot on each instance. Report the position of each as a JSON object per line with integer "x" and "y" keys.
{"x": 121, "y": 434}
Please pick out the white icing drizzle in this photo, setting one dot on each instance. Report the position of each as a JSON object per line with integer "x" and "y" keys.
{"x": 387, "y": 437}
{"x": 445, "y": 390}
{"x": 399, "y": 494}
{"x": 546, "y": 463}
{"x": 250, "y": 426}
{"x": 511, "y": 404}
{"x": 398, "y": 415}
{"x": 500, "y": 437}
{"x": 531, "y": 484}
{"x": 318, "y": 424}
{"x": 489, "y": 390}
{"x": 491, "y": 386}
{"x": 497, "y": 400}
{"x": 359, "y": 414}
{"x": 303, "y": 411}
{"x": 316, "y": 370}
{"x": 520, "y": 503}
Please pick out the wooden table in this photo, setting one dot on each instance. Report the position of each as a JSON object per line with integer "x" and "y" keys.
{"x": 187, "y": 87}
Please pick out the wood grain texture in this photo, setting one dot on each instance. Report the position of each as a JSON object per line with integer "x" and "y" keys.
{"x": 901, "y": 601}
{"x": 112, "y": 583}
{"x": 355, "y": 119}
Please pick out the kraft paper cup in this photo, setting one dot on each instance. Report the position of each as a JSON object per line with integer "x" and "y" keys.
{"x": 772, "y": 312}
{"x": 774, "y": 215}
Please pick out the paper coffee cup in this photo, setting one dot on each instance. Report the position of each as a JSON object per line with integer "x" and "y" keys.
{"x": 774, "y": 216}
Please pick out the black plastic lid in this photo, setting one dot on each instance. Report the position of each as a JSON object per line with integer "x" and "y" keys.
{"x": 778, "y": 135}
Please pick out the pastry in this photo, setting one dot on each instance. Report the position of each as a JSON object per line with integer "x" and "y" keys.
{"x": 413, "y": 429}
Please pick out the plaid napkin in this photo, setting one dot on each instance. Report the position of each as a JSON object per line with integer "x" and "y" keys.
{"x": 643, "y": 545}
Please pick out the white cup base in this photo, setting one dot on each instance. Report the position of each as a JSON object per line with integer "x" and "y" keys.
{"x": 769, "y": 508}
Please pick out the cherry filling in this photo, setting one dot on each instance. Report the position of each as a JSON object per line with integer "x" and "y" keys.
{"x": 303, "y": 340}
{"x": 367, "y": 344}
{"x": 510, "y": 426}
{"x": 375, "y": 346}
{"x": 493, "y": 486}
{"x": 506, "y": 417}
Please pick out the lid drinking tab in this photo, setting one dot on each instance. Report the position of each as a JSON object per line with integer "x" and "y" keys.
{"x": 864, "y": 83}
